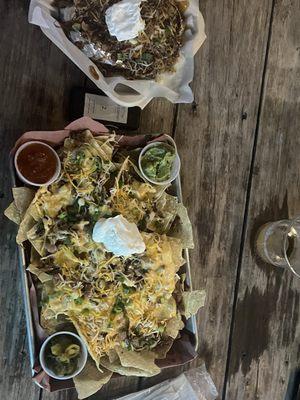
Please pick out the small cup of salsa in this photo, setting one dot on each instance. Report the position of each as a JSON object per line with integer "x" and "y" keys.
{"x": 37, "y": 164}
{"x": 63, "y": 355}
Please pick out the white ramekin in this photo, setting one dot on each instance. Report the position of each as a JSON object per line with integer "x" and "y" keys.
{"x": 22, "y": 177}
{"x": 176, "y": 164}
{"x": 81, "y": 362}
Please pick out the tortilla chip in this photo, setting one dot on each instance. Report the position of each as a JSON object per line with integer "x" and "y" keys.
{"x": 92, "y": 353}
{"x": 182, "y": 228}
{"x": 52, "y": 313}
{"x": 192, "y": 301}
{"x": 103, "y": 146}
{"x": 166, "y": 211}
{"x": 41, "y": 275}
{"x": 165, "y": 309}
{"x": 143, "y": 360}
{"x": 23, "y": 196}
{"x": 55, "y": 324}
{"x": 174, "y": 325}
{"x": 112, "y": 355}
{"x": 90, "y": 379}
{"x": 117, "y": 368}
{"x": 176, "y": 252}
{"x": 13, "y": 213}
{"x": 126, "y": 371}
{"x": 53, "y": 203}
{"x": 34, "y": 256}
{"x": 26, "y": 224}
{"x": 34, "y": 212}
{"x": 34, "y": 267}
{"x": 162, "y": 349}
{"x": 65, "y": 255}
{"x": 37, "y": 242}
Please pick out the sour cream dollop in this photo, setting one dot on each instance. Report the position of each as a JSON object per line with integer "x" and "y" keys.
{"x": 119, "y": 236}
{"x": 124, "y": 19}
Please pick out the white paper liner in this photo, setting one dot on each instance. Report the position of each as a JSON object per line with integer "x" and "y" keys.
{"x": 172, "y": 86}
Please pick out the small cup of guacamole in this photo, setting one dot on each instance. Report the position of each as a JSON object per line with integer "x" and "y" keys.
{"x": 63, "y": 355}
{"x": 159, "y": 162}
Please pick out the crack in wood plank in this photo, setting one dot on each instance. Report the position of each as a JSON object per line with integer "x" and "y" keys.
{"x": 256, "y": 383}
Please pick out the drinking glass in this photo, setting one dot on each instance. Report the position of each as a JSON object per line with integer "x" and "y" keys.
{"x": 278, "y": 243}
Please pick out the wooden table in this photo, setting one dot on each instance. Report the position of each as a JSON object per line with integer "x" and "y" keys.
{"x": 239, "y": 143}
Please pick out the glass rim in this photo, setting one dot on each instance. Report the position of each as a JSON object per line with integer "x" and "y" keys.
{"x": 285, "y": 245}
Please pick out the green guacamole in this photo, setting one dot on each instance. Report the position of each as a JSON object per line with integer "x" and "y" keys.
{"x": 157, "y": 162}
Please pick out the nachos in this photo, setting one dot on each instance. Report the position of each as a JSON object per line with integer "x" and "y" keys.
{"x": 127, "y": 309}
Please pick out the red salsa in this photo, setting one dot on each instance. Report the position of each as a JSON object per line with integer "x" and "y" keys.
{"x": 37, "y": 163}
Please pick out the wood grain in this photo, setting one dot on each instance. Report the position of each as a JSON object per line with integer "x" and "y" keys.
{"x": 15, "y": 377}
{"x": 158, "y": 117}
{"x": 35, "y": 79}
{"x": 265, "y": 343}
{"x": 215, "y": 137}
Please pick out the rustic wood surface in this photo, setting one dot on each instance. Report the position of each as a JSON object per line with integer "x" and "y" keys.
{"x": 34, "y": 83}
{"x": 215, "y": 136}
{"x": 239, "y": 144}
{"x": 265, "y": 340}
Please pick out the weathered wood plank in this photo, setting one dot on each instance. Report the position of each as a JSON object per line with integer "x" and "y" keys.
{"x": 35, "y": 79}
{"x": 265, "y": 343}
{"x": 15, "y": 377}
{"x": 211, "y": 137}
{"x": 215, "y": 138}
{"x": 158, "y": 117}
